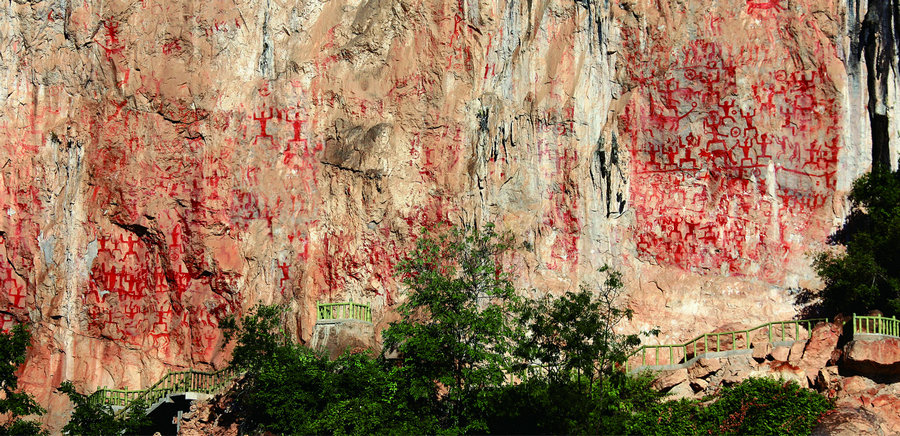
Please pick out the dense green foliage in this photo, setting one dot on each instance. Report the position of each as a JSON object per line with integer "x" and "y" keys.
{"x": 90, "y": 418}
{"x": 754, "y": 406}
{"x": 290, "y": 389}
{"x": 14, "y": 404}
{"x": 456, "y": 328}
{"x": 574, "y": 356}
{"x": 867, "y": 276}
{"x": 471, "y": 357}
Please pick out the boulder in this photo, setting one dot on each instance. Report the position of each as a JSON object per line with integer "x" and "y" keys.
{"x": 780, "y": 370}
{"x": 670, "y": 378}
{"x": 346, "y": 336}
{"x": 704, "y": 367}
{"x": 874, "y": 358}
{"x": 699, "y": 385}
{"x": 679, "y": 391}
{"x": 761, "y": 350}
{"x": 847, "y": 421}
{"x": 819, "y": 350}
{"x": 796, "y": 353}
{"x": 781, "y": 353}
{"x": 827, "y": 379}
{"x": 821, "y": 345}
{"x": 880, "y": 400}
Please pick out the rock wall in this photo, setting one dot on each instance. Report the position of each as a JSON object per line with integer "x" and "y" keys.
{"x": 165, "y": 164}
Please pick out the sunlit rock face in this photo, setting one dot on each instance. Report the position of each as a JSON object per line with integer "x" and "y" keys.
{"x": 165, "y": 164}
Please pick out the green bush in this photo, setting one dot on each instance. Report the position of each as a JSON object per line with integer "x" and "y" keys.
{"x": 90, "y": 418}
{"x": 767, "y": 406}
{"x": 754, "y": 406}
{"x": 290, "y": 389}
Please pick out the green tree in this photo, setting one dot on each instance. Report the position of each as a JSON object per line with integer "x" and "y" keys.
{"x": 93, "y": 418}
{"x": 455, "y": 335}
{"x": 13, "y": 403}
{"x": 259, "y": 336}
{"x": 574, "y": 336}
{"x": 571, "y": 341}
{"x": 867, "y": 275}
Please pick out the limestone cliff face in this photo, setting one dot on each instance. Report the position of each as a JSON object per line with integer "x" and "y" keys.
{"x": 165, "y": 164}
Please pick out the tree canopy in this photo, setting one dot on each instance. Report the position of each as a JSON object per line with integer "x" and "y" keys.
{"x": 867, "y": 275}
{"x": 13, "y": 350}
{"x": 470, "y": 356}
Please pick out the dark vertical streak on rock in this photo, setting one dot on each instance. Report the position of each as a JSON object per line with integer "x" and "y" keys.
{"x": 266, "y": 46}
{"x": 877, "y": 43}
{"x": 602, "y": 176}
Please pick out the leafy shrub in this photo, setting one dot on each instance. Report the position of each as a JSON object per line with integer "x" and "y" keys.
{"x": 767, "y": 406}
{"x": 754, "y": 406}
{"x": 290, "y": 389}
{"x": 90, "y": 418}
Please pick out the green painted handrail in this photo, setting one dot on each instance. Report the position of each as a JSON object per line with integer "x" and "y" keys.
{"x": 876, "y": 325}
{"x": 174, "y": 381}
{"x": 674, "y": 354}
{"x": 350, "y": 310}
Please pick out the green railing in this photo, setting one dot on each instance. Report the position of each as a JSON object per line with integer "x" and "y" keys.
{"x": 351, "y": 310}
{"x": 173, "y": 382}
{"x": 683, "y": 354}
{"x": 876, "y": 325}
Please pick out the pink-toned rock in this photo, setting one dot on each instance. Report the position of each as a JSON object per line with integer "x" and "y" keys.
{"x": 819, "y": 349}
{"x": 847, "y": 421}
{"x": 669, "y": 378}
{"x": 827, "y": 380}
{"x": 726, "y": 342}
{"x": 168, "y": 164}
{"x": 796, "y": 353}
{"x": 780, "y": 370}
{"x": 699, "y": 385}
{"x": 881, "y": 400}
{"x": 761, "y": 350}
{"x": 781, "y": 353}
{"x": 879, "y": 357}
{"x": 679, "y": 391}
{"x": 704, "y": 367}
{"x": 734, "y": 376}
{"x": 857, "y": 385}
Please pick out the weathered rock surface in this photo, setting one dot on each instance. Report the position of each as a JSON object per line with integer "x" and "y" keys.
{"x": 868, "y": 404}
{"x": 212, "y": 417}
{"x": 344, "y": 337}
{"x": 670, "y": 378}
{"x": 819, "y": 349}
{"x": 166, "y": 164}
{"x": 761, "y": 350}
{"x": 781, "y": 353}
{"x": 704, "y": 367}
{"x": 850, "y": 422}
{"x": 874, "y": 357}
